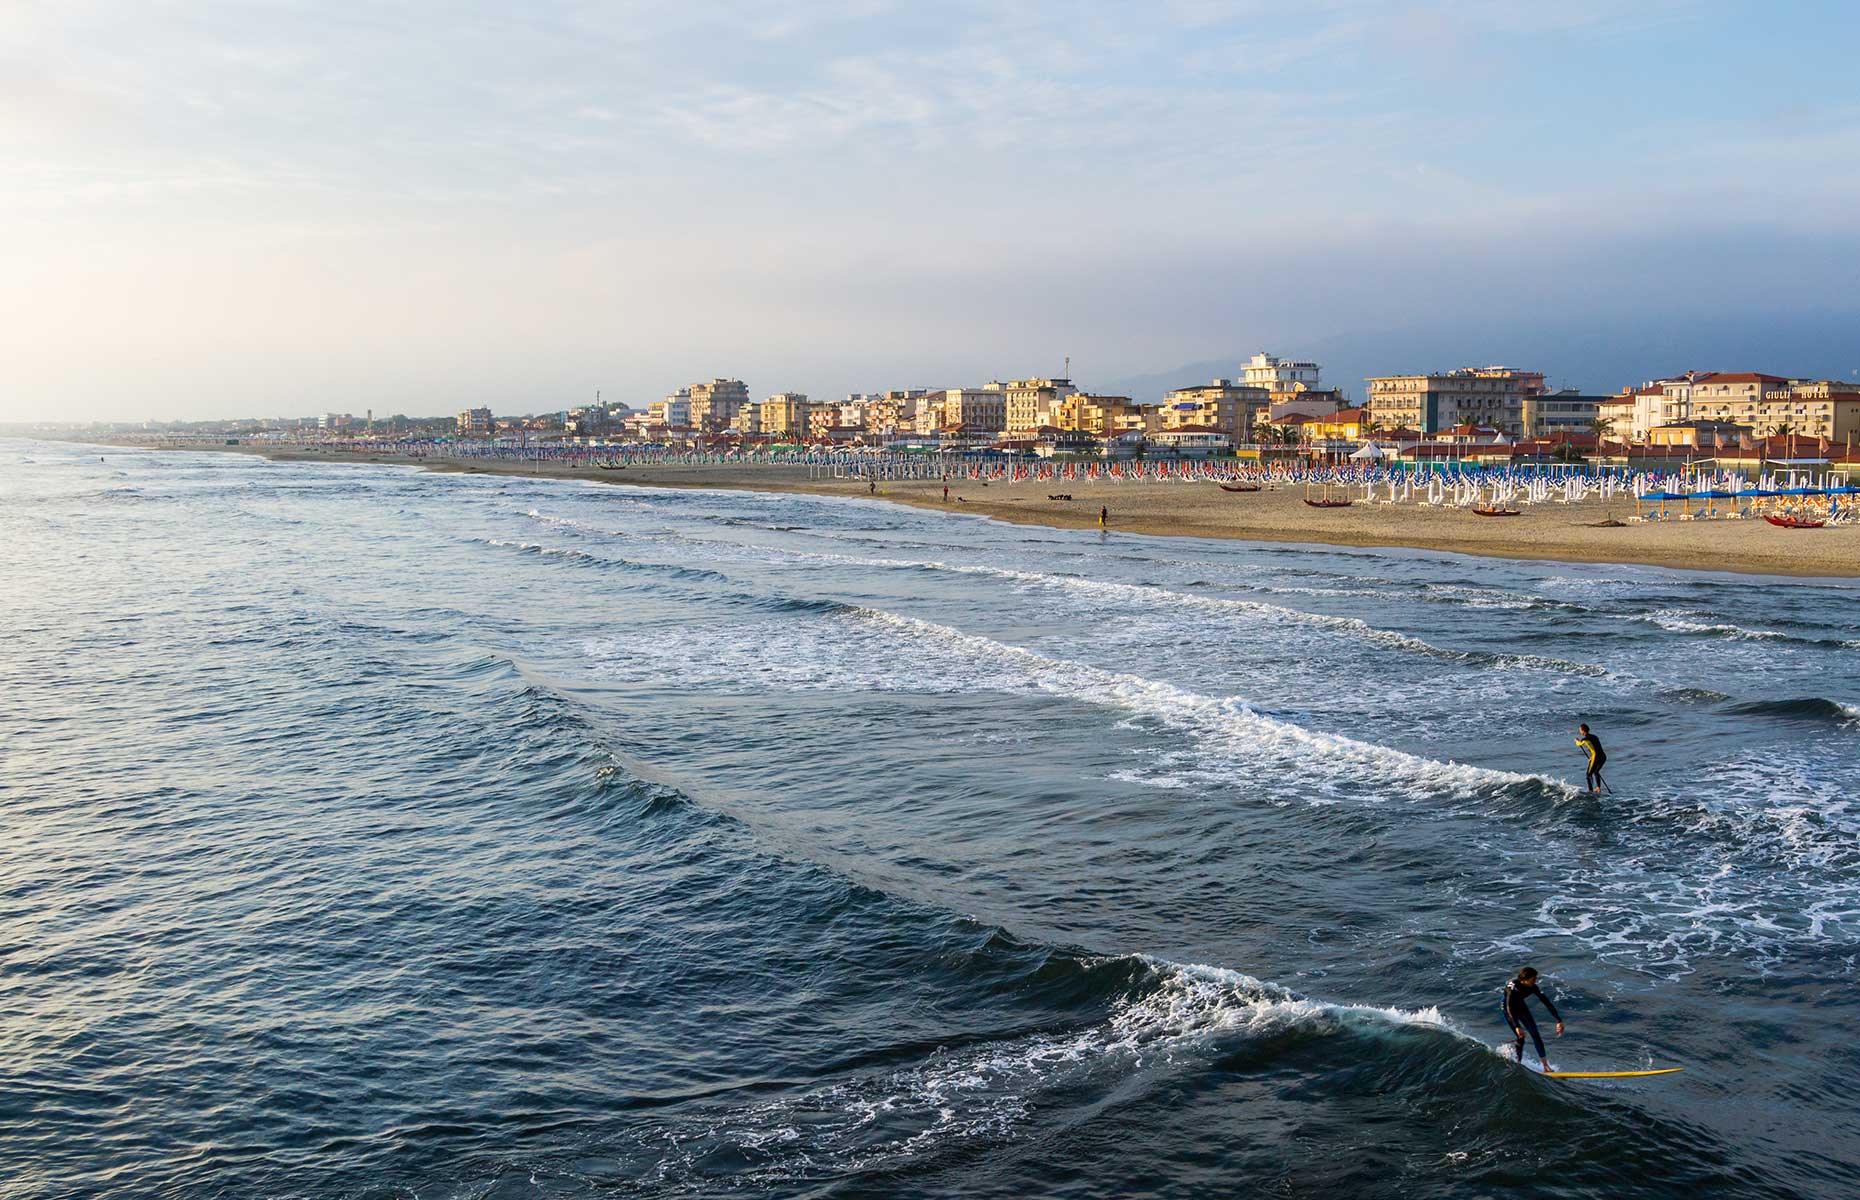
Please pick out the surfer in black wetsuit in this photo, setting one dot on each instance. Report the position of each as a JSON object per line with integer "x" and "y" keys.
{"x": 1518, "y": 1013}
{"x": 1592, "y": 746}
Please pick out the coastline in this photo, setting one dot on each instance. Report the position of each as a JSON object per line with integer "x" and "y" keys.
{"x": 1552, "y": 532}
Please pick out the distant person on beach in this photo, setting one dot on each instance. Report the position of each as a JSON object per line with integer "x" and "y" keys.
{"x": 946, "y": 493}
{"x": 1104, "y": 515}
{"x": 1518, "y": 1014}
{"x": 1592, "y": 746}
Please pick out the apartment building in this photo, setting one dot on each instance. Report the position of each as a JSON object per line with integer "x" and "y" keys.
{"x": 1492, "y": 396}
{"x": 980, "y": 409}
{"x": 476, "y": 422}
{"x": 1030, "y": 402}
{"x": 1229, "y": 407}
{"x": 785, "y": 414}
{"x": 893, "y": 412}
{"x": 1105, "y": 416}
{"x": 714, "y": 405}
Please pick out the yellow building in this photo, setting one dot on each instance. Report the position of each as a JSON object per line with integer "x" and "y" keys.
{"x": 785, "y": 414}
{"x": 715, "y": 405}
{"x": 1771, "y": 405}
{"x": 1104, "y": 415}
{"x": 1030, "y": 402}
{"x": 1345, "y": 425}
{"x": 1231, "y": 408}
{"x": 982, "y": 409}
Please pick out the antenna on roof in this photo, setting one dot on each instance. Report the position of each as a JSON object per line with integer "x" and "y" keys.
{"x": 1068, "y": 367}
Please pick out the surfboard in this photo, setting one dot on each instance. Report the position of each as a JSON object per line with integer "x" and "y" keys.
{"x": 1609, "y": 1074}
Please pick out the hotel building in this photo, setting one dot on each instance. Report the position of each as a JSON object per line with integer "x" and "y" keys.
{"x": 1490, "y": 396}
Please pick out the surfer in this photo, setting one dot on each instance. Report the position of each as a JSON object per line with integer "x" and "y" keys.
{"x": 1592, "y": 746}
{"x": 1518, "y": 1013}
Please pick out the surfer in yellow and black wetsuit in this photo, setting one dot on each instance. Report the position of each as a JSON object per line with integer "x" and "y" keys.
{"x": 1592, "y": 746}
{"x": 1518, "y": 1013}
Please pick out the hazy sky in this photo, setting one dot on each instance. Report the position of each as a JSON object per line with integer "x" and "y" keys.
{"x": 216, "y": 208}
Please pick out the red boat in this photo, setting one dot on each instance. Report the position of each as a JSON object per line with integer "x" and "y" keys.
{"x": 1330, "y": 503}
{"x": 1499, "y": 512}
{"x": 1239, "y": 487}
{"x": 1793, "y": 522}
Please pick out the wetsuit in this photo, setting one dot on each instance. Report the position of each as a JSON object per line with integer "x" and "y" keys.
{"x": 1518, "y": 1015}
{"x": 1597, "y": 756}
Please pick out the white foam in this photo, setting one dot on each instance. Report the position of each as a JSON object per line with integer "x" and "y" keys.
{"x": 989, "y": 1090}
{"x": 873, "y": 650}
{"x": 1130, "y": 593}
{"x": 1229, "y": 726}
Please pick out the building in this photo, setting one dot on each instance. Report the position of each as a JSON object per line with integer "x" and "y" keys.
{"x": 1772, "y": 405}
{"x": 1105, "y": 415}
{"x": 476, "y": 422}
{"x": 894, "y": 412}
{"x": 1232, "y": 408}
{"x": 1282, "y": 380}
{"x": 1320, "y": 403}
{"x": 714, "y": 405}
{"x": 976, "y": 409}
{"x": 1567, "y": 411}
{"x": 785, "y": 414}
{"x": 674, "y": 410}
{"x": 1030, "y": 402}
{"x": 1492, "y": 396}
{"x": 1191, "y": 441}
{"x": 1703, "y": 434}
{"x": 1344, "y": 425}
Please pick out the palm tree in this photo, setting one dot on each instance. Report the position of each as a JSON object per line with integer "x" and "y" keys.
{"x": 1601, "y": 427}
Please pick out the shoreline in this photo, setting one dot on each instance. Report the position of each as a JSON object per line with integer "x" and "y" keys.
{"x": 1548, "y": 533}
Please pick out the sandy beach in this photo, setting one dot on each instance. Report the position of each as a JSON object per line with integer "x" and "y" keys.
{"x": 1567, "y": 533}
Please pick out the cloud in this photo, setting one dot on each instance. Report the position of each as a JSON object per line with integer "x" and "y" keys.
{"x": 442, "y": 195}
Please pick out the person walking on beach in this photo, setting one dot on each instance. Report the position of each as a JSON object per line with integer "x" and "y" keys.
{"x": 1104, "y": 515}
{"x": 1518, "y": 1014}
{"x": 1592, "y": 746}
{"x": 946, "y": 493}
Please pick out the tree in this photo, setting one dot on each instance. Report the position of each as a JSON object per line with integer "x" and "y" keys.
{"x": 1602, "y": 427}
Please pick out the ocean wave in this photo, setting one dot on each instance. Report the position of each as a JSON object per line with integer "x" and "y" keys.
{"x": 1804, "y": 708}
{"x": 1698, "y": 624}
{"x": 1230, "y": 726}
{"x": 1173, "y": 1018}
{"x": 866, "y": 649}
{"x": 1079, "y": 585}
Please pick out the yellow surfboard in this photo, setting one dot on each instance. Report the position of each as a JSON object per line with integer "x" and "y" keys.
{"x": 1608, "y": 1074}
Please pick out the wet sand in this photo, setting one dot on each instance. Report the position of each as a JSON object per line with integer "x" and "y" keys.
{"x": 1561, "y": 532}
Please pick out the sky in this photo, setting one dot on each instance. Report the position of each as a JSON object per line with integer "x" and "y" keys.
{"x": 212, "y": 208}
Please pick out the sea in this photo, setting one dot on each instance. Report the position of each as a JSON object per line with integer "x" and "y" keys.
{"x": 377, "y": 833}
